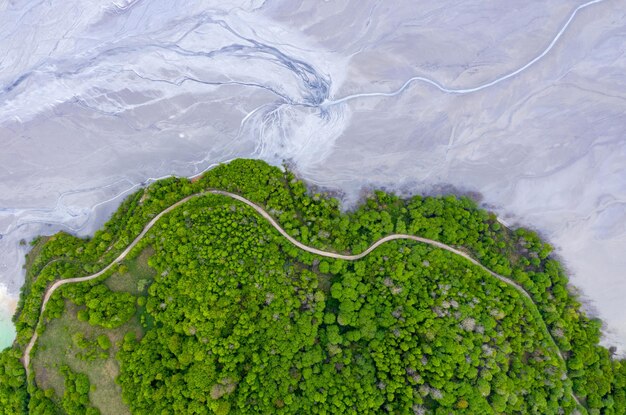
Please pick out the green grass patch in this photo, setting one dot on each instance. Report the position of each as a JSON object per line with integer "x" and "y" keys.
{"x": 58, "y": 346}
{"x": 135, "y": 275}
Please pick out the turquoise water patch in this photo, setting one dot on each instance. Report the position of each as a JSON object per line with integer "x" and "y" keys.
{"x": 7, "y": 332}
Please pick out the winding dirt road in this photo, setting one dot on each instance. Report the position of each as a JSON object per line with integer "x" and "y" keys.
{"x": 272, "y": 221}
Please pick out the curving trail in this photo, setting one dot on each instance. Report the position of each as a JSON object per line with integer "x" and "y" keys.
{"x": 293, "y": 241}
{"x": 375, "y": 245}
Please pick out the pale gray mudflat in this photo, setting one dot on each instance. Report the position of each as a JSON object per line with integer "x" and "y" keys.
{"x": 523, "y": 102}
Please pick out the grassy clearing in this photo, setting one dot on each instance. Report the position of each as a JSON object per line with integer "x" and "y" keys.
{"x": 135, "y": 276}
{"x": 57, "y": 347}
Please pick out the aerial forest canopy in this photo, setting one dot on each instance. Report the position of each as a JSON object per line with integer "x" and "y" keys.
{"x": 213, "y": 311}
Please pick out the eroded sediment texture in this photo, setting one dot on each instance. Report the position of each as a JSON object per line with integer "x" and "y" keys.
{"x": 524, "y": 102}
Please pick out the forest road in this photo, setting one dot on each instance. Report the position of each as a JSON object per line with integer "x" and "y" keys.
{"x": 272, "y": 221}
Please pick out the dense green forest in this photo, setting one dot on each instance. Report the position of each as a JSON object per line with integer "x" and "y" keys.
{"x": 215, "y": 312}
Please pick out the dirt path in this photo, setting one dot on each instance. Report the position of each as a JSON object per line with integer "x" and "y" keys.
{"x": 272, "y": 221}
